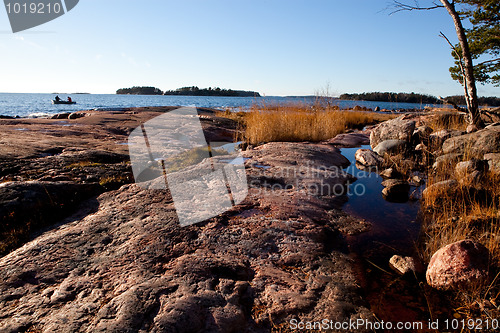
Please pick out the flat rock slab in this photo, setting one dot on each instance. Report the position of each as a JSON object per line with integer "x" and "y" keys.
{"x": 130, "y": 267}
{"x": 351, "y": 140}
{"x": 100, "y": 130}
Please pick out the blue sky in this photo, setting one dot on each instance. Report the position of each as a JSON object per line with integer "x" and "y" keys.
{"x": 276, "y": 47}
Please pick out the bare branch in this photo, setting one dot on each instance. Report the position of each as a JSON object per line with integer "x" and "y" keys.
{"x": 399, "y": 7}
{"x": 455, "y": 106}
{"x": 487, "y": 61}
{"x": 462, "y": 70}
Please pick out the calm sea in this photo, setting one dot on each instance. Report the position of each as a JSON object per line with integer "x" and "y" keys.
{"x": 36, "y": 105}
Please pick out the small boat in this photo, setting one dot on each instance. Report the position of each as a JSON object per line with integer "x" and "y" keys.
{"x": 62, "y": 102}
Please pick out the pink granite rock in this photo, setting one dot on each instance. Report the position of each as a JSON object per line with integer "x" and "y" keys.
{"x": 458, "y": 264}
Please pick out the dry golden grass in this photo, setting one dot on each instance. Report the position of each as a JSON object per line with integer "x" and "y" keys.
{"x": 466, "y": 213}
{"x": 447, "y": 119}
{"x": 302, "y": 122}
{"x": 463, "y": 213}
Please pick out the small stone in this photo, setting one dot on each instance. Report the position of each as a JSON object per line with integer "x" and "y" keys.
{"x": 416, "y": 178}
{"x": 405, "y": 265}
{"x": 389, "y": 173}
{"x": 471, "y": 128}
{"x": 420, "y": 147}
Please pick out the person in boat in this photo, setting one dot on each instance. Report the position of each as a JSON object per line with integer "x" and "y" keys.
{"x": 70, "y": 100}
{"x": 57, "y": 98}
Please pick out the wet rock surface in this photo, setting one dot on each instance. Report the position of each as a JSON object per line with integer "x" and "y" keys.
{"x": 122, "y": 263}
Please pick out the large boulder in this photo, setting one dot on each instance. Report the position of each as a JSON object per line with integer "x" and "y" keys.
{"x": 447, "y": 160}
{"x": 460, "y": 264}
{"x": 391, "y": 147}
{"x": 437, "y": 139}
{"x": 481, "y": 142}
{"x": 396, "y": 129}
{"x": 366, "y": 157}
{"x": 471, "y": 172}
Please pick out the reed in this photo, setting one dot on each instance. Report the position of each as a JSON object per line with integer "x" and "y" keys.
{"x": 303, "y": 122}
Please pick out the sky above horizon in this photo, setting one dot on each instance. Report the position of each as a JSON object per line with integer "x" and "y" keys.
{"x": 275, "y": 47}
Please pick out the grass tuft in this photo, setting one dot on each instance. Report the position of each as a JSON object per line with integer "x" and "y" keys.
{"x": 302, "y": 122}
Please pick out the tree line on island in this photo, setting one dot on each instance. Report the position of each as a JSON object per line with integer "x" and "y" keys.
{"x": 392, "y": 97}
{"x": 416, "y": 98}
{"x": 188, "y": 91}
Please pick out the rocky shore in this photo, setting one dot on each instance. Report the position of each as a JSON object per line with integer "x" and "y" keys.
{"x": 85, "y": 249}
{"x": 103, "y": 254}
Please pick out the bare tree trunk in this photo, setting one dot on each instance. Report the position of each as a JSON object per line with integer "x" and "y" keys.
{"x": 469, "y": 81}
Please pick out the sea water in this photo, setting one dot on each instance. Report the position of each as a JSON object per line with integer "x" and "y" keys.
{"x": 24, "y": 105}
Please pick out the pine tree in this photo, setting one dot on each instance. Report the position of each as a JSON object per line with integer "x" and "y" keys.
{"x": 479, "y": 42}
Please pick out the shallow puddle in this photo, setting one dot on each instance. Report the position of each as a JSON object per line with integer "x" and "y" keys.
{"x": 394, "y": 224}
{"x": 394, "y": 230}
